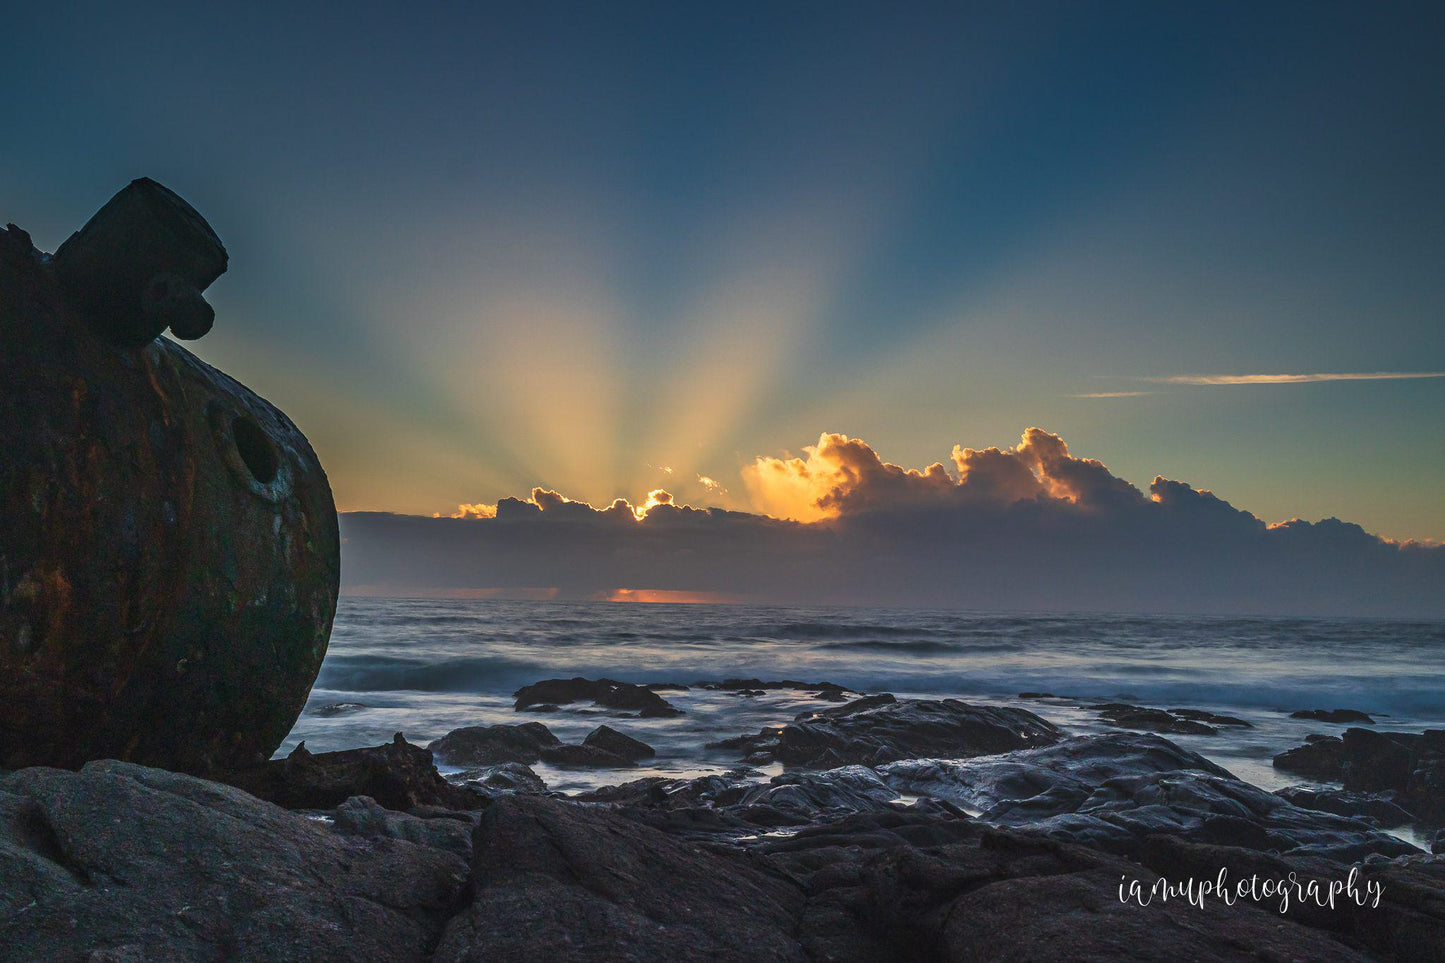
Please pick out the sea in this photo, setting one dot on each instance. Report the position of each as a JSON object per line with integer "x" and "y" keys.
{"x": 423, "y": 667}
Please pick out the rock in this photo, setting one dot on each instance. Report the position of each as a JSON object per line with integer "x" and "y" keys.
{"x": 122, "y": 862}
{"x": 1319, "y": 759}
{"x": 1333, "y": 715}
{"x": 338, "y": 709}
{"x": 1214, "y": 719}
{"x": 556, "y": 880}
{"x": 362, "y": 816}
{"x": 830, "y": 691}
{"x": 1152, "y": 720}
{"x": 603, "y": 692}
{"x": 886, "y": 731}
{"x": 490, "y": 745}
{"x": 585, "y": 757}
{"x": 171, "y": 554}
{"x": 1377, "y": 809}
{"x": 1407, "y": 924}
{"x": 609, "y": 739}
{"x": 1112, "y": 792}
{"x": 397, "y": 775}
{"x": 504, "y": 777}
{"x": 902, "y": 886}
{"x": 1411, "y": 765}
{"x": 1037, "y": 695}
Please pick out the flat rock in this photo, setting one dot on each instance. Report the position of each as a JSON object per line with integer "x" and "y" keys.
{"x": 447, "y": 830}
{"x": 890, "y": 730}
{"x": 1152, "y": 720}
{"x": 607, "y": 693}
{"x": 491, "y": 745}
{"x": 1333, "y": 715}
{"x": 119, "y": 862}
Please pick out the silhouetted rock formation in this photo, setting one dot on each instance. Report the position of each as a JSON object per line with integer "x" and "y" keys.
{"x": 170, "y": 543}
{"x": 604, "y": 692}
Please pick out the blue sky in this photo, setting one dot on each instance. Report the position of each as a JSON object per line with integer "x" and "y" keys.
{"x": 480, "y": 248}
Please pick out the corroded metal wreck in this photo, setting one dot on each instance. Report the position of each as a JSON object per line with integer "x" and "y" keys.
{"x": 169, "y": 556}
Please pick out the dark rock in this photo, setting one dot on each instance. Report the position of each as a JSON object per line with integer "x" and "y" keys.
{"x": 1111, "y": 792}
{"x": 1333, "y": 715}
{"x": 585, "y": 757}
{"x": 362, "y": 816}
{"x": 170, "y": 539}
{"x": 490, "y": 745}
{"x": 823, "y": 690}
{"x": 1214, "y": 719}
{"x": 752, "y": 693}
{"x": 338, "y": 709}
{"x": 1321, "y": 759}
{"x": 501, "y": 778}
{"x": 1377, "y": 809}
{"x": 1036, "y": 695}
{"x": 893, "y": 730}
{"x": 1152, "y": 720}
{"x": 906, "y": 886}
{"x": 667, "y": 687}
{"x": 1411, "y": 765}
{"x": 122, "y": 862}
{"x": 556, "y": 880}
{"x": 1407, "y": 924}
{"x": 397, "y": 775}
{"x": 603, "y": 692}
{"x": 609, "y": 739}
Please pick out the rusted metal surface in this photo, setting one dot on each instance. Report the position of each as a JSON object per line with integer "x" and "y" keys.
{"x": 169, "y": 555}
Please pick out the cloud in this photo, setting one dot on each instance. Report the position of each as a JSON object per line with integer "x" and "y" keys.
{"x": 1030, "y": 527}
{"x": 1111, "y": 394}
{"x": 1283, "y": 379}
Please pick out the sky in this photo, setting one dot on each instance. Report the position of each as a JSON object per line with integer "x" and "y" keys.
{"x": 604, "y": 249}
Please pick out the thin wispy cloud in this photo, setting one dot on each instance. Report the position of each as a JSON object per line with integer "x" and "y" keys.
{"x": 1289, "y": 379}
{"x": 1111, "y": 394}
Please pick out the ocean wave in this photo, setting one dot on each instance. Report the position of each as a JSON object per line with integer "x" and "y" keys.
{"x": 369, "y": 673}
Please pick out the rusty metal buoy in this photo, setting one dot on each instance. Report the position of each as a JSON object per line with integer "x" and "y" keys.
{"x": 169, "y": 556}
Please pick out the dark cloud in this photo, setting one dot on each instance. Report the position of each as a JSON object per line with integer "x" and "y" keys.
{"x": 1032, "y": 527}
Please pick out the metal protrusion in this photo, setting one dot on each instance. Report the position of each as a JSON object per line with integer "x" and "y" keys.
{"x": 170, "y": 301}
{"x": 139, "y": 266}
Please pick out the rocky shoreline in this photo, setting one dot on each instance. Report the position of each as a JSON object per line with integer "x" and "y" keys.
{"x": 898, "y": 829}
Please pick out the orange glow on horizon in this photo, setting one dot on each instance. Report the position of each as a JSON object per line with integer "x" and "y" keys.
{"x": 667, "y": 597}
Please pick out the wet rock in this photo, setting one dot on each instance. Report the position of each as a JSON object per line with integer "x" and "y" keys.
{"x": 1333, "y": 715}
{"x": 609, "y": 739}
{"x": 823, "y": 690}
{"x": 171, "y": 554}
{"x": 490, "y": 745}
{"x": 122, "y": 862}
{"x": 1036, "y": 695}
{"x": 1111, "y": 792}
{"x": 397, "y": 775}
{"x": 1152, "y": 720}
{"x": 901, "y": 886}
{"x": 886, "y": 731}
{"x": 364, "y": 817}
{"x": 502, "y": 778}
{"x": 556, "y": 880}
{"x": 1407, "y": 924}
{"x": 585, "y": 757}
{"x": 1411, "y": 765}
{"x": 603, "y": 692}
{"x": 337, "y": 709}
{"x": 1321, "y": 758}
{"x": 1214, "y": 719}
{"x": 1377, "y": 809}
